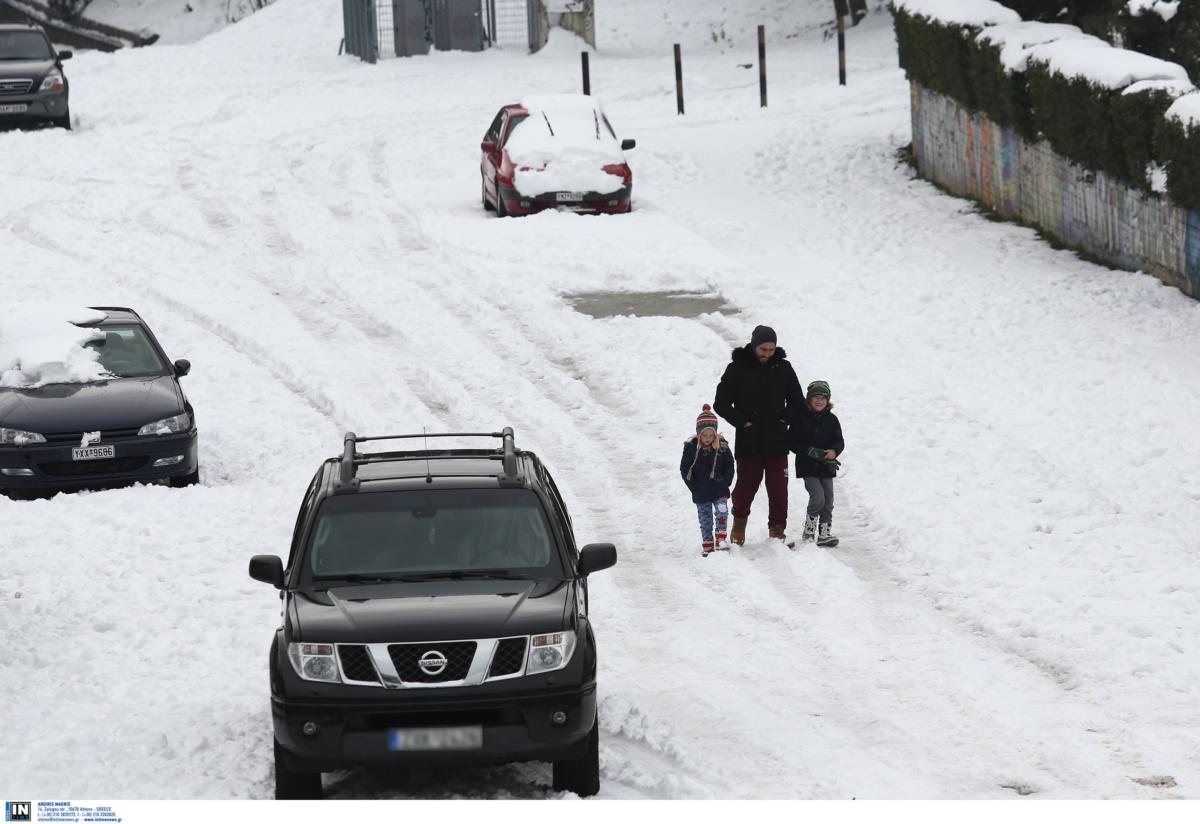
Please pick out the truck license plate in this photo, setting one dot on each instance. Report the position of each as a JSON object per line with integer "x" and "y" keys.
{"x": 436, "y": 738}
{"x": 92, "y": 453}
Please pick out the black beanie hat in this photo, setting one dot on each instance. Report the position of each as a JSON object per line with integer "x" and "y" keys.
{"x": 761, "y": 335}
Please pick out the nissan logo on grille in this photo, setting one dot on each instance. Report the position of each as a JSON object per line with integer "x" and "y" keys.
{"x": 432, "y": 662}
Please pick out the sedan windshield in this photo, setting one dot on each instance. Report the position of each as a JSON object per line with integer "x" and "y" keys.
{"x": 24, "y": 45}
{"x": 392, "y": 534}
{"x": 126, "y": 352}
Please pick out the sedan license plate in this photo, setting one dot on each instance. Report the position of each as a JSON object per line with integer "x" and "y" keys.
{"x": 435, "y": 738}
{"x": 14, "y": 108}
{"x": 92, "y": 453}
{"x": 569, "y": 197}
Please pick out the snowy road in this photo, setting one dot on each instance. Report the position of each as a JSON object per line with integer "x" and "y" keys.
{"x": 1013, "y": 609}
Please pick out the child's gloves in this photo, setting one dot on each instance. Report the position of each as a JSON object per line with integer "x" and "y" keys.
{"x": 815, "y": 453}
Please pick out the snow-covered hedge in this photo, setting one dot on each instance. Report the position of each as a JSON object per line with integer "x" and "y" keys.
{"x": 1179, "y": 143}
{"x": 1170, "y": 30}
{"x": 1100, "y": 106}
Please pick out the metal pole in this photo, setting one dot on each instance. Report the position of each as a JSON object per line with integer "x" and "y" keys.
{"x": 762, "y": 66}
{"x": 678, "y": 79}
{"x": 841, "y": 50}
{"x": 587, "y": 80}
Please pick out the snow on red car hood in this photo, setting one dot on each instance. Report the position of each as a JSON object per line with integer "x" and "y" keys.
{"x": 564, "y": 145}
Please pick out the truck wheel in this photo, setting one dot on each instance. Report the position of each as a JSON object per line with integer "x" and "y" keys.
{"x": 582, "y": 776}
{"x": 190, "y": 479}
{"x": 291, "y": 785}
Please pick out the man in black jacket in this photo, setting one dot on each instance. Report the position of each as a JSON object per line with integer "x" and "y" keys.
{"x": 759, "y": 395}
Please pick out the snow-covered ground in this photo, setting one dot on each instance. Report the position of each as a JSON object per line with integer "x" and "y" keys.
{"x": 1013, "y": 609}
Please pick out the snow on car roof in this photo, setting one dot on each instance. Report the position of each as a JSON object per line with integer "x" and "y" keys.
{"x": 560, "y": 124}
{"x": 41, "y": 343}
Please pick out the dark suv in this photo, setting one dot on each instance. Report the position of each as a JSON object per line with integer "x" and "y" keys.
{"x": 435, "y": 611}
{"x": 33, "y": 86}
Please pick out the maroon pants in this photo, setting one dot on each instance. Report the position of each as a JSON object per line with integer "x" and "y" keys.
{"x": 750, "y": 473}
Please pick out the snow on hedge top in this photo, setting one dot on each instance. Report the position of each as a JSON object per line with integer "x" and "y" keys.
{"x": 1100, "y": 63}
{"x": 1166, "y": 9}
{"x": 1187, "y": 109}
{"x": 563, "y": 146}
{"x": 961, "y": 12}
{"x": 40, "y": 344}
{"x": 1016, "y": 39}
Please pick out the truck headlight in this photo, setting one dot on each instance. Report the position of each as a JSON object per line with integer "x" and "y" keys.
{"x": 314, "y": 662}
{"x": 550, "y": 652}
{"x": 53, "y": 82}
{"x": 168, "y": 426}
{"x": 19, "y": 437}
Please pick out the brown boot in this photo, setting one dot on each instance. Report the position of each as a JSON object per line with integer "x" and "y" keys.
{"x": 778, "y": 532}
{"x": 738, "y": 535}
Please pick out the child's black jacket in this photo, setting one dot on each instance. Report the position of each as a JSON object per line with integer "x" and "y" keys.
{"x": 711, "y": 471}
{"x": 816, "y": 429}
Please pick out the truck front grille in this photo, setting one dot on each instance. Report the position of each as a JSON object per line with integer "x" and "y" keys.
{"x": 509, "y": 657}
{"x": 15, "y": 86}
{"x": 356, "y": 663}
{"x": 458, "y": 655}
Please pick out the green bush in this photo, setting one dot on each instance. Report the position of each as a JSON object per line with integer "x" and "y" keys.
{"x": 937, "y": 55}
{"x": 1177, "y": 40}
{"x": 1098, "y": 128}
{"x": 1179, "y": 148}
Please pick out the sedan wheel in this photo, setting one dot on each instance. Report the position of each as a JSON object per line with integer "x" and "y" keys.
{"x": 501, "y": 209}
{"x": 487, "y": 204}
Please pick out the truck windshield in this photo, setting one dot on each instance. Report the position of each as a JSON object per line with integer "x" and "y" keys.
{"x": 24, "y": 45}
{"x": 388, "y": 534}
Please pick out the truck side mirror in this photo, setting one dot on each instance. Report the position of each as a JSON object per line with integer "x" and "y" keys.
{"x": 268, "y": 569}
{"x": 595, "y": 557}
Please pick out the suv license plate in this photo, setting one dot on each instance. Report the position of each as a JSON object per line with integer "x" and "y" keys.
{"x": 92, "y": 453}
{"x": 14, "y": 108}
{"x": 569, "y": 197}
{"x": 436, "y": 738}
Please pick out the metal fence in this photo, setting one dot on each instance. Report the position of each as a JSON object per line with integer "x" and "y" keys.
{"x": 377, "y": 29}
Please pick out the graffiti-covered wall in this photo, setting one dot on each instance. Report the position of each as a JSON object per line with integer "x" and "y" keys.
{"x": 971, "y": 156}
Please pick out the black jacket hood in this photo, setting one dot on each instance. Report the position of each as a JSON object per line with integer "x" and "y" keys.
{"x": 744, "y": 356}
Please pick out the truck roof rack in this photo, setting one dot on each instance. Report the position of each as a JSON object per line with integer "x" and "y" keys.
{"x": 348, "y": 481}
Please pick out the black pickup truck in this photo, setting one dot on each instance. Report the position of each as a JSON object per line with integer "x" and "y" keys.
{"x": 435, "y": 611}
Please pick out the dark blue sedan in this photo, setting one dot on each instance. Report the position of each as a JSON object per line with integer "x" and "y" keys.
{"x": 136, "y": 426}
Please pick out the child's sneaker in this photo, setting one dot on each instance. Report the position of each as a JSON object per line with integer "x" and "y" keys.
{"x": 706, "y": 547}
{"x": 810, "y": 528}
{"x": 826, "y": 536}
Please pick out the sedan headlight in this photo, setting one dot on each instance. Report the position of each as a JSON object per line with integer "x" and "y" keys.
{"x": 53, "y": 82}
{"x": 314, "y": 662}
{"x": 19, "y": 437}
{"x": 168, "y": 426}
{"x": 550, "y": 652}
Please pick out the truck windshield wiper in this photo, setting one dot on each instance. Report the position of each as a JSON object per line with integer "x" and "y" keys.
{"x": 355, "y": 578}
{"x": 460, "y": 574}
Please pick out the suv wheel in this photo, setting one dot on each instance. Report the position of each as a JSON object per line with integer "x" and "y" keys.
{"x": 63, "y": 122}
{"x": 190, "y": 479}
{"x": 582, "y": 776}
{"x": 291, "y": 785}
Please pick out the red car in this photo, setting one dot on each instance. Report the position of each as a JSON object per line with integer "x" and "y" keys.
{"x": 553, "y": 151}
